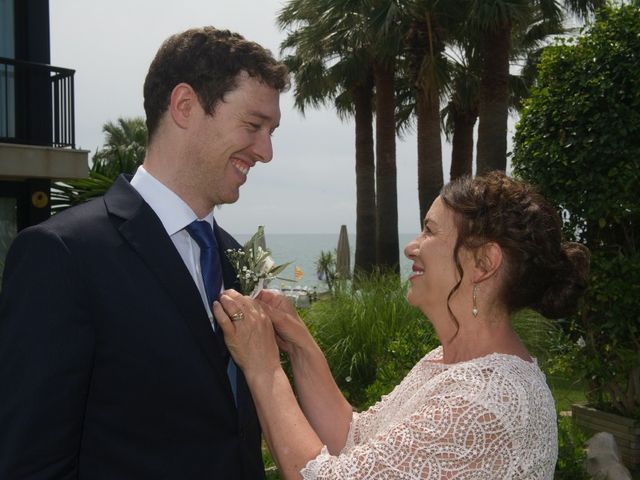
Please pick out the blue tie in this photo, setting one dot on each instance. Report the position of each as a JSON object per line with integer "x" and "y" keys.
{"x": 211, "y": 268}
{"x": 210, "y": 265}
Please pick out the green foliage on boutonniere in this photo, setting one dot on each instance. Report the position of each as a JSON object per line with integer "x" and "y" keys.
{"x": 253, "y": 265}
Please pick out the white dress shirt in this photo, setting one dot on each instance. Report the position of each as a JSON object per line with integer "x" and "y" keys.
{"x": 175, "y": 215}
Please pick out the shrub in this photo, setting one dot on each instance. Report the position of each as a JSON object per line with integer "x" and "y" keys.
{"x": 571, "y": 452}
{"x": 536, "y": 332}
{"x": 578, "y": 140}
{"x": 409, "y": 345}
{"x": 356, "y": 330}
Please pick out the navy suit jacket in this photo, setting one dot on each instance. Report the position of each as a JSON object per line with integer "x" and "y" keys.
{"x": 109, "y": 368}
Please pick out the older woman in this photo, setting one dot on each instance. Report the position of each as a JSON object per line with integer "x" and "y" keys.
{"x": 478, "y": 406}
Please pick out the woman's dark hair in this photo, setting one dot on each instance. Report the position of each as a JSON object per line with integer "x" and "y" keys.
{"x": 209, "y": 60}
{"x": 541, "y": 271}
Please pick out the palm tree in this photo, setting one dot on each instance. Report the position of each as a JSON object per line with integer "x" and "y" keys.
{"x": 432, "y": 23}
{"x": 123, "y": 151}
{"x": 127, "y": 137}
{"x": 383, "y": 32}
{"x": 461, "y": 112}
{"x": 494, "y": 21}
{"x": 365, "y": 255}
{"x": 359, "y": 32}
{"x": 348, "y": 81}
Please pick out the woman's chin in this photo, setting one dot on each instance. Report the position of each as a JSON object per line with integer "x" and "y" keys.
{"x": 411, "y": 297}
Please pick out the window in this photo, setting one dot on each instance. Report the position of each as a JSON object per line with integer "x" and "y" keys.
{"x": 8, "y": 226}
{"x": 7, "y": 72}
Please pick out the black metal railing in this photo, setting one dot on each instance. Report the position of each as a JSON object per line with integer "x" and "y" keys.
{"x": 36, "y": 104}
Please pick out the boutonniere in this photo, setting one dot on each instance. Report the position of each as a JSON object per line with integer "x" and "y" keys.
{"x": 254, "y": 266}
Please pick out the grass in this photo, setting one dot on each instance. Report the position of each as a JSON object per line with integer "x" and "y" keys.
{"x": 566, "y": 392}
{"x": 355, "y": 329}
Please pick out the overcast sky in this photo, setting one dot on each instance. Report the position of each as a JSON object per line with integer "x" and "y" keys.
{"x": 309, "y": 187}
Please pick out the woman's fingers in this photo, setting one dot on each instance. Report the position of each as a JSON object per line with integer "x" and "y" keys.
{"x": 277, "y": 300}
{"x": 232, "y": 293}
{"x": 223, "y": 319}
{"x": 235, "y": 305}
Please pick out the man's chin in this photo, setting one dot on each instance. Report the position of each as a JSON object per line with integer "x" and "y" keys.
{"x": 231, "y": 197}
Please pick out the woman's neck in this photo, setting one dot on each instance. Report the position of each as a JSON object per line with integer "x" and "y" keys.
{"x": 478, "y": 337}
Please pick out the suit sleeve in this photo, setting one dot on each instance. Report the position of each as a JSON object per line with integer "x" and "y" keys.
{"x": 46, "y": 350}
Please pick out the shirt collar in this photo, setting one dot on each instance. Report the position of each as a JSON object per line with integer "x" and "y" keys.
{"x": 173, "y": 212}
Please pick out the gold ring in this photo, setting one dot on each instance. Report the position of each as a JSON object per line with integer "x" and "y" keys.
{"x": 237, "y": 316}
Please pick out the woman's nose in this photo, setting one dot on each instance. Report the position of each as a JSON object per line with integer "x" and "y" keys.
{"x": 411, "y": 249}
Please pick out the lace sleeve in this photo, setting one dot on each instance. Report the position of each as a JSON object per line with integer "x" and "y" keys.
{"x": 446, "y": 438}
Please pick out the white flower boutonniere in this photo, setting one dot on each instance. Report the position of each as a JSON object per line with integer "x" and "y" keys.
{"x": 254, "y": 266}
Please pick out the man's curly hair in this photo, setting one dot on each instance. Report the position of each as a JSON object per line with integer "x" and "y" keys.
{"x": 209, "y": 60}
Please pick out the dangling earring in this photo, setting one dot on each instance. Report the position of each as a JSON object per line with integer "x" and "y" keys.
{"x": 474, "y": 310}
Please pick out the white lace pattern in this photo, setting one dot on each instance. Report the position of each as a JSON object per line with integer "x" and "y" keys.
{"x": 489, "y": 418}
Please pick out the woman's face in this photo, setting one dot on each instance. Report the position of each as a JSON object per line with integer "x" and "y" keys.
{"x": 434, "y": 271}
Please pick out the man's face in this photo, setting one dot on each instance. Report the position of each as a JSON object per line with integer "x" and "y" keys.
{"x": 226, "y": 145}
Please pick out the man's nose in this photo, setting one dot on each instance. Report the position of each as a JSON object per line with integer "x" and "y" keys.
{"x": 263, "y": 148}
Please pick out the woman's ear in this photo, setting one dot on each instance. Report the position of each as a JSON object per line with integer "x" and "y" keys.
{"x": 488, "y": 259}
{"x": 182, "y": 103}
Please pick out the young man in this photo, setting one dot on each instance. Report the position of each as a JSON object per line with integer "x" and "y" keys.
{"x": 111, "y": 363}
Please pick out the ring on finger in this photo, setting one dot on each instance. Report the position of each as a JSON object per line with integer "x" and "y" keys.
{"x": 237, "y": 316}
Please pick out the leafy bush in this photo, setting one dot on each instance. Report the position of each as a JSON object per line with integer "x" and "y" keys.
{"x": 357, "y": 329}
{"x": 536, "y": 332}
{"x": 409, "y": 345}
{"x": 571, "y": 452}
{"x": 578, "y": 140}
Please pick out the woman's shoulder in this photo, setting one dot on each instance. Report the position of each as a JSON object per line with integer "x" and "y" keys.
{"x": 499, "y": 364}
{"x": 510, "y": 367}
{"x": 496, "y": 375}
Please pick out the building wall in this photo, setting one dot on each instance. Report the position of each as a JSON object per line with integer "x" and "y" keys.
{"x": 28, "y": 162}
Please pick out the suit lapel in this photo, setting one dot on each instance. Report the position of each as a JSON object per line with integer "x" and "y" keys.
{"x": 225, "y": 242}
{"x": 246, "y": 409}
{"x": 144, "y": 232}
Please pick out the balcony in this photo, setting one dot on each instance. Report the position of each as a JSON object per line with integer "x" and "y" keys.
{"x": 36, "y": 104}
{"x": 37, "y": 129}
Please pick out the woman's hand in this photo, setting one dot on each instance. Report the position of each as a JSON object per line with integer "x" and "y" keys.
{"x": 250, "y": 339}
{"x": 291, "y": 332}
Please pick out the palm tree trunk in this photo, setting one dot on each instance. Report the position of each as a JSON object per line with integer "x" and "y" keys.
{"x": 387, "y": 242}
{"x": 365, "y": 181}
{"x": 493, "y": 108}
{"x": 429, "y": 149}
{"x": 462, "y": 144}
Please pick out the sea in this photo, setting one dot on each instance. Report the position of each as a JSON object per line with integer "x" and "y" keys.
{"x": 303, "y": 251}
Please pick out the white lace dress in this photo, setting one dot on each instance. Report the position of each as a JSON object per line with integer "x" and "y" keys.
{"x": 488, "y": 418}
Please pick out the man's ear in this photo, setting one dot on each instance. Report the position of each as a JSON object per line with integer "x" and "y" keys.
{"x": 488, "y": 259}
{"x": 183, "y": 101}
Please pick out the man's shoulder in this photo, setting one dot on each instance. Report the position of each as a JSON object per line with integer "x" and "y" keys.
{"x": 75, "y": 217}
{"x": 86, "y": 217}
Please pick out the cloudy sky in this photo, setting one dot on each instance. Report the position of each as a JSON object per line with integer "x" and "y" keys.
{"x": 309, "y": 187}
